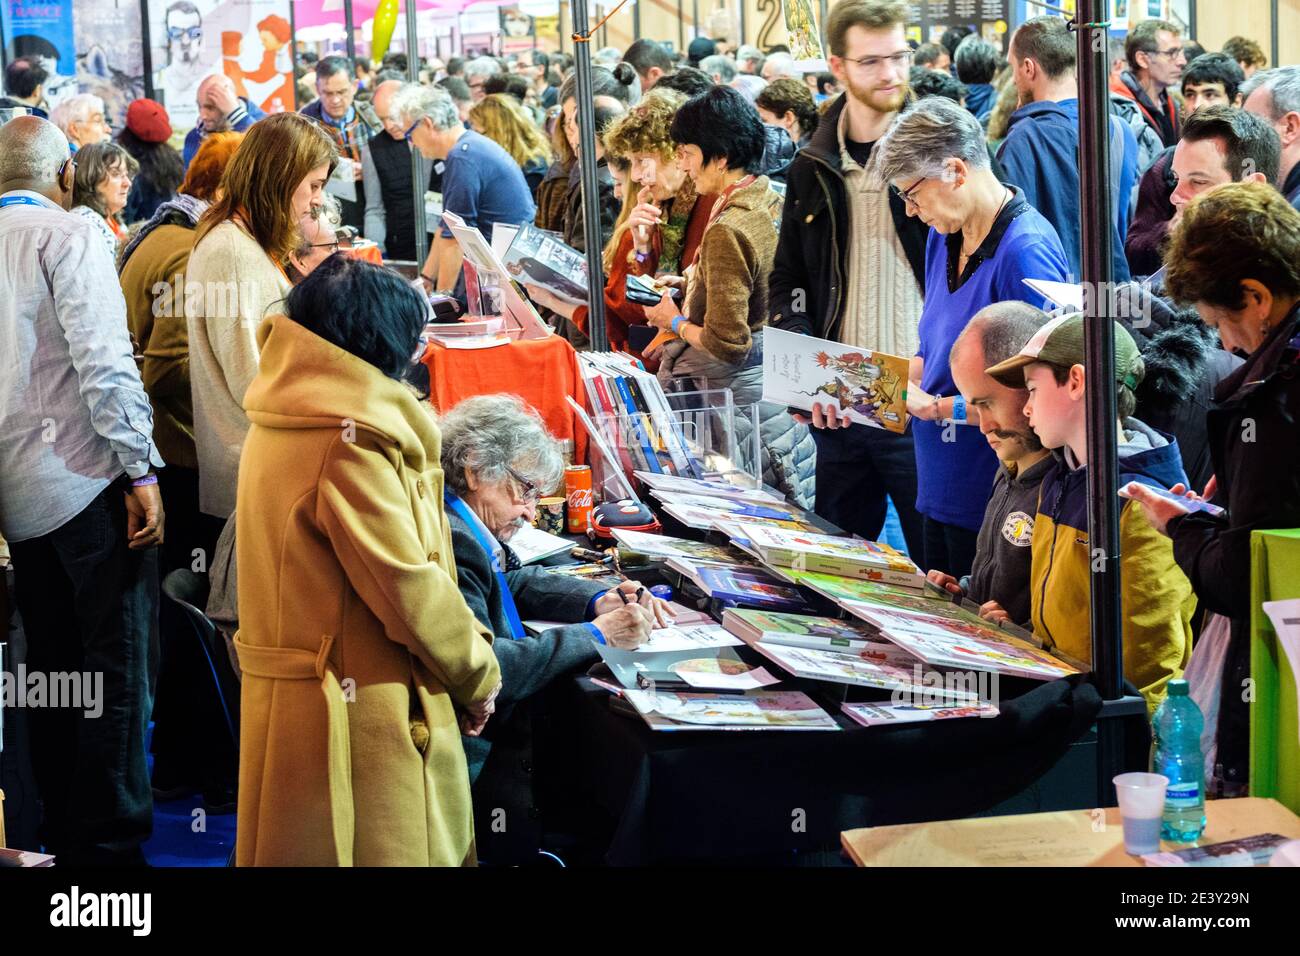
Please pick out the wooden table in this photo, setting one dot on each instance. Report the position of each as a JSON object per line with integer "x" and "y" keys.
{"x": 1065, "y": 838}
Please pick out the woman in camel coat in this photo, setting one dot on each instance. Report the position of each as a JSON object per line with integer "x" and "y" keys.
{"x": 356, "y": 646}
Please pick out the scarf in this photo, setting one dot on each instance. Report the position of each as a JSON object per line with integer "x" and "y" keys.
{"x": 180, "y": 206}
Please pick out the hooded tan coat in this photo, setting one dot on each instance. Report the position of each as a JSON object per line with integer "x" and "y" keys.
{"x": 354, "y": 640}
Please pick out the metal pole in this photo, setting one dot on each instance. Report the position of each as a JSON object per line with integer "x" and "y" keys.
{"x": 1272, "y": 19}
{"x": 146, "y": 54}
{"x": 1099, "y": 351}
{"x": 636, "y": 19}
{"x": 293, "y": 52}
{"x": 681, "y": 26}
{"x": 352, "y": 40}
{"x": 741, "y": 41}
{"x": 418, "y": 183}
{"x": 695, "y": 18}
{"x": 822, "y": 6}
{"x": 590, "y": 187}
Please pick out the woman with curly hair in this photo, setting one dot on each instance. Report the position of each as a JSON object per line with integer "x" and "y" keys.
{"x": 504, "y": 120}
{"x": 104, "y": 173}
{"x": 662, "y": 221}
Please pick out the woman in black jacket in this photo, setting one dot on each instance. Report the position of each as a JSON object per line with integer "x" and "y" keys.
{"x": 1236, "y": 257}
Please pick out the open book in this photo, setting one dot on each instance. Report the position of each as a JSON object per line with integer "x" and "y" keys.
{"x": 537, "y": 257}
{"x": 869, "y": 387}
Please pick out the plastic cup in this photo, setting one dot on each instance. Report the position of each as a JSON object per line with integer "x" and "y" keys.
{"x": 1141, "y": 807}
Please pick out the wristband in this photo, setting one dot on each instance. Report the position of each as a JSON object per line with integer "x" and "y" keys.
{"x": 958, "y": 409}
{"x": 676, "y": 323}
{"x": 598, "y": 637}
{"x": 641, "y": 257}
{"x": 149, "y": 479}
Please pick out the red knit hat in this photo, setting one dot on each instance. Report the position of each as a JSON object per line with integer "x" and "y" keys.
{"x": 149, "y": 121}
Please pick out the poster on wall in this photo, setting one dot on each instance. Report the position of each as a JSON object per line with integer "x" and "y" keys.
{"x": 110, "y": 54}
{"x": 801, "y": 30}
{"x": 248, "y": 40}
{"x": 518, "y": 30}
{"x": 42, "y": 30}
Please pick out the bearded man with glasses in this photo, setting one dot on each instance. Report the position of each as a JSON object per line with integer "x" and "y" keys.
{"x": 1156, "y": 59}
{"x": 850, "y": 263}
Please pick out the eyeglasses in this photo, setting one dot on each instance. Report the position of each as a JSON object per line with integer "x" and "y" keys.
{"x": 531, "y": 492}
{"x": 63, "y": 166}
{"x": 407, "y": 135}
{"x": 194, "y": 33}
{"x": 1173, "y": 53}
{"x": 906, "y": 194}
{"x": 872, "y": 64}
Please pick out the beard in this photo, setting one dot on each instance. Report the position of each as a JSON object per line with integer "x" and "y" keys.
{"x": 510, "y": 530}
{"x": 880, "y": 102}
{"x": 1025, "y": 436}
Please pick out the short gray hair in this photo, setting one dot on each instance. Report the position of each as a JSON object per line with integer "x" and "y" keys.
{"x": 414, "y": 101}
{"x": 1002, "y": 328}
{"x": 784, "y": 65}
{"x": 929, "y": 133}
{"x": 721, "y": 65}
{"x": 608, "y": 57}
{"x": 482, "y": 66}
{"x": 751, "y": 54}
{"x": 487, "y": 434}
{"x": 1283, "y": 86}
{"x": 76, "y": 109}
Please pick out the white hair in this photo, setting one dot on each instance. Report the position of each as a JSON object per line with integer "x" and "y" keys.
{"x": 750, "y": 54}
{"x": 720, "y": 66}
{"x": 414, "y": 101}
{"x": 488, "y": 434}
{"x": 31, "y": 150}
{"x": 1283, "y": 86}
{"x": 784, "y": 66}
{"x": 481, "y": 66}
{"x": 76, "y": 109}
{"x": 608, "y": 57}
{"x": 930, "y": 132}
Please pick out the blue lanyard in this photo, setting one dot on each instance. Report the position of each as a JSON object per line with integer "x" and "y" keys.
{"x": 19, "y": 201}
{"x": 461, "y": 510}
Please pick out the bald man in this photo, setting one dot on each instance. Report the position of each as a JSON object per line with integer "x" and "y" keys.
{"x": 79, "y": 504}
{"x": 220, "y": 109}
{"x": 386, "y": 171}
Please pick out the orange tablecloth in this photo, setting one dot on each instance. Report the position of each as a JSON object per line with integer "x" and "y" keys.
{"x": 369, "y": 252}
{"x": 540, "y": 371}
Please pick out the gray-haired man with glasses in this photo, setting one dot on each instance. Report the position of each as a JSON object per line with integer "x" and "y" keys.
{"x": 850, "y": 263}
{"x": 1156, "y": 59}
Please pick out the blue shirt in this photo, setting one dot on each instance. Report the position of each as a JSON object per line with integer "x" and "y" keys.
{"x": 954, "y": 477}
{"x": 484, "y": 186}
{"x": 1041, "y": 156}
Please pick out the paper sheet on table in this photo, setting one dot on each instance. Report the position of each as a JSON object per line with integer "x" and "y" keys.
{"x": 343, "y": 184}
{"x": 1068, "y": 294}
{"x": 502, "y": 235}
{"x": 1285, "y": 616}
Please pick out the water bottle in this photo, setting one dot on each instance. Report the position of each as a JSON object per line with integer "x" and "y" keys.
{"x": 1177, "y": 727}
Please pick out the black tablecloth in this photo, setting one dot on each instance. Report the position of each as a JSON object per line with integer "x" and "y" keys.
{"x": 711, "y": 796}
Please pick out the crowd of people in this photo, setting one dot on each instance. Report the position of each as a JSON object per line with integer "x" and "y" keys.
{"x": 204, "y": 379}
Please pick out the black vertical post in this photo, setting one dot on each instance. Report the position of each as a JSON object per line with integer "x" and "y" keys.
{"x": 590, "y": 187}
{"x": 695, "y": 17}
{"x": 636, "y": 19}
{"x": 681, "y": 26}
{"x": 419, "y": 184}
{"x": 352, "y": 40}
{"x": 293, "y": 52}
{"x": 1103, "y": 505}
{"x": 741, "y": 41}
{"x": 1272, "y": 19}
{"x": 146, "y": 51}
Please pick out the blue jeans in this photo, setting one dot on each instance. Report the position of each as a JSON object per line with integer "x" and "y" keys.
{"x": 857, "y": 467}
{"x": 89, "y": 604}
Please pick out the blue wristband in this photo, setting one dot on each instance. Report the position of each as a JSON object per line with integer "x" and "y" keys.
{"x": 591, "y": 607}
{"x": 676, "y": 323}
{"x": 595, "y": 633}
{"x": 958, "y": 408}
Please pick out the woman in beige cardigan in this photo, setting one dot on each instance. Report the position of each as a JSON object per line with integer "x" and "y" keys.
{"x": 235, "y": 275}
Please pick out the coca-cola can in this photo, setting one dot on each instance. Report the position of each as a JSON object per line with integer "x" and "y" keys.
{"x": 578, "y": 497}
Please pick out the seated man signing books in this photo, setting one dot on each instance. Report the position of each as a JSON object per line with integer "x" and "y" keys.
{"x": 1157, "y": 598}
{"x": 999, "y": 577}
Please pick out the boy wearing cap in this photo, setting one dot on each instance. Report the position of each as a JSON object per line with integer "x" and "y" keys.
{"x": 1157, "y": 597}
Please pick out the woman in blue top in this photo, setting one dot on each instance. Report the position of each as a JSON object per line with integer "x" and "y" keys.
{"x": 985, "y": 240}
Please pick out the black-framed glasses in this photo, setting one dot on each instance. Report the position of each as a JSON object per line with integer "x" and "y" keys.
{"x": 872, "y": 64}
{"x": 1173, "y": 53}
{"x": 531, "y": 492}
{"x": 906, "y": 194}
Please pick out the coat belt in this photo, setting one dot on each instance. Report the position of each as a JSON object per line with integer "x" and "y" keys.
{"x": 284, "y": 663}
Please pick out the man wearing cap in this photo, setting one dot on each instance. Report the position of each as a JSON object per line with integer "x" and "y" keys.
{"x": 1157, "y": 598}
{"x": 220, "y": 109}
